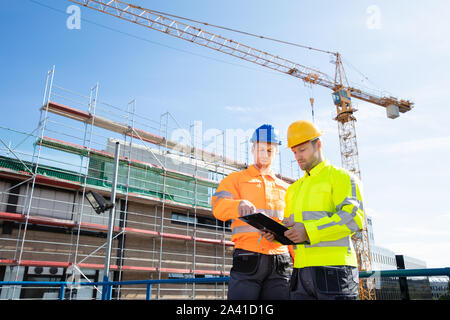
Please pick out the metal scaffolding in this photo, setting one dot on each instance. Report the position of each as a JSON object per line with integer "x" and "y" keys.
{"x": 164, "y": 226}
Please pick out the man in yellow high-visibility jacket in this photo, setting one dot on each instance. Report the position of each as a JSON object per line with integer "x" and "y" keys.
{"x": 325, "y": 208}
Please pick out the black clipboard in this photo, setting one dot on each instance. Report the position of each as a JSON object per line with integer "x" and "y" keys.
{"x": 263, "y": 222}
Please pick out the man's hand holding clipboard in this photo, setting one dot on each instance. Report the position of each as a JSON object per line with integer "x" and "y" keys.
{"x": 297, "y": 232}
{"x": 272, "y": 230}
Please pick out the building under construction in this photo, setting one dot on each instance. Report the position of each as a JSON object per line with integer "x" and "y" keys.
{"x": 163, "y": 227}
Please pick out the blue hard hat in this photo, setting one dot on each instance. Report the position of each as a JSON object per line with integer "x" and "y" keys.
{"x": 266, "y": 133}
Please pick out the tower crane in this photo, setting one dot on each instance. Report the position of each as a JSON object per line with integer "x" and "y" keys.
{"x": 342, "y": 92}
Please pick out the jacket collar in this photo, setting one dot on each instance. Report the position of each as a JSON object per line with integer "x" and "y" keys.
{"x": 254, "y": 172}
{"x": 315, "y": 171}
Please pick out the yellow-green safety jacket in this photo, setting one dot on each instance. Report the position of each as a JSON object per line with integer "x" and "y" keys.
{"x": 328, "y": 201}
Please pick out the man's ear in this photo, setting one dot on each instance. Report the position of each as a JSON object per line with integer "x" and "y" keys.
{"x": 277, "y": 149}
{"x": 319, "y": 144}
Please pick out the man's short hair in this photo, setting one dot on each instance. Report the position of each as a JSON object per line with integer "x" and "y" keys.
{"x": 314, "y": 141}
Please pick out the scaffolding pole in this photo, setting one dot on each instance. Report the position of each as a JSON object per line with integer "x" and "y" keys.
{"x": 42, "y": 122}
{"x": 93, "y": 96}
{"x": 107, "y": 293}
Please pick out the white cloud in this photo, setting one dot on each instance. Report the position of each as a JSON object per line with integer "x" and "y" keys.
{"x": 422, "y": 235}
{"x": 421, "y": 231}
{"x": 435, "y": 254}
{"x": 413, "y": 146}
{"x": 444, "y": 217}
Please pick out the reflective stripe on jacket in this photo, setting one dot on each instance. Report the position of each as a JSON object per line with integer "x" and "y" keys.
{"x": 328, "y": 201}
{"x": 267, "y": 194}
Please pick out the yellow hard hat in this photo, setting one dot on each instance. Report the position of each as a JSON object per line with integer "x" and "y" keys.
{"x": 302, "y": 131}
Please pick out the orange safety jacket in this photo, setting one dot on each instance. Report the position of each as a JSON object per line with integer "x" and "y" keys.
{"x": 266, "y": 192}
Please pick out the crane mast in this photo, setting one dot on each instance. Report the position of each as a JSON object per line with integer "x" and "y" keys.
{"x": 342, "y": 91}
{"x": 350, "y": 160}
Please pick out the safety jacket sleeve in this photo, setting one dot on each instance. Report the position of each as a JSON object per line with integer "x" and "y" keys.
{"x": 287, "y": 210}
{"x": 288, "y": 199}
{"x": 225, "y": 201}
{"x": 348, "y": 216}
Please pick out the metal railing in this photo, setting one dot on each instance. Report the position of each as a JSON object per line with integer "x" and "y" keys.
{"x": 108, "y": 285}
{"x": 429, "y": 272}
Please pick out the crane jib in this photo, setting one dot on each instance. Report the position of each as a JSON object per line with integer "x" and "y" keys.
{"x": 158, "y": 21}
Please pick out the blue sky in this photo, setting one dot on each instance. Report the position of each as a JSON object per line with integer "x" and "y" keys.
{"x": 403, "y": 53}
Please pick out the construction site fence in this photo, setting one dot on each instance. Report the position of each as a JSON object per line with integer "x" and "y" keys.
{"x": 107, "y": 286}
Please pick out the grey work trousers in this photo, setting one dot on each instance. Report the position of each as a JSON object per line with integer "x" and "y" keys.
{"x": 325, "y": 283}
{"x": 257, "y": 276}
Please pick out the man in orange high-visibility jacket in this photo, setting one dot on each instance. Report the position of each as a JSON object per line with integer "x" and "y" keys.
{"x": 261, "y": 269}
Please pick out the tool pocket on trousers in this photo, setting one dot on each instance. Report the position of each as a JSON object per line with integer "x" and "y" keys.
{"x": 283, "y": 265}
{"x": 245, "y": 261}
{"x": 335, "y": 280}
